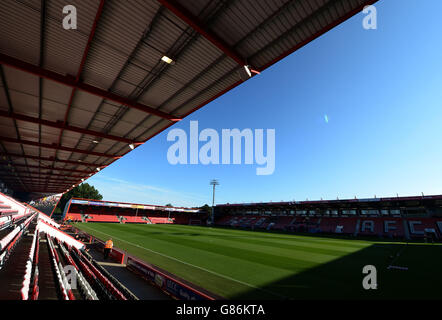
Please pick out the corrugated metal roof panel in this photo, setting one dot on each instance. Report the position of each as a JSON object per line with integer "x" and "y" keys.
{"x": 5, "y": 128}
{"x": 56, "y": 92}
{"x": 18, "y": 39}
{"x": 21, "y": 81}
{"x": 120, "y": 28}
{"x": 52, "y": 110}
{"x": 24, "y": 103}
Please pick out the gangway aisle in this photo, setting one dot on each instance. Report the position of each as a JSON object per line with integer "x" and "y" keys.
{"x": 47, "y": 282}
{"x": 13, "y": 272}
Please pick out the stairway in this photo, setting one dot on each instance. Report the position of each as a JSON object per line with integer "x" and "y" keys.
{"x": 406, "y": 230}
{"x": 358, "y": 223}
{"x": 147, "y": 220}
{"x": 47, "y": 277}
{"x": 292, "y": 222}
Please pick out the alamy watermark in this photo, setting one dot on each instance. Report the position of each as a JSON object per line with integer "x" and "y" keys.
{"x": 70, "y": 20}
{"x": 370, "y": 20}
{"x": 69, "y": 277}
{"x": 370, "y": 281}
{"x": 186, "y": 150}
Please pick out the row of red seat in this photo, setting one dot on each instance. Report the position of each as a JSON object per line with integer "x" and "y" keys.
{"x": 6, "y": 210}
{"x": 5, "y": 222}
{"x": 103, "y": 218}
{"x": 77, "y": 217}
{"x": 64, "y": 288}
{"x": 8, "y": 242}
{"x": 156, "y": 220}
{"x": 84, "y": 287}
{"x": 375, "y": 226}
{"x": 94, "y": 274}
{"x": 130, "y": 219}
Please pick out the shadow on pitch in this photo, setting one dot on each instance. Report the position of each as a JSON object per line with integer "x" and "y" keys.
{"x": 342, "y": 278}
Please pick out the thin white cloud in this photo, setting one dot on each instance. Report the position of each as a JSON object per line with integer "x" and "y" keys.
{"x": 115, "y": 189}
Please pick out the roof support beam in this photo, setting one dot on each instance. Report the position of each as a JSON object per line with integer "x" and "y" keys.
{"x": 63, "y": 126}
{"x": 40, "y": 188}
{"x": 26, "y": 174}
{"x": 9, "y": 175}
{"x": 37, "y": 183}
{"x": 42, "y": 181}
{"x": 44, "y": 192}
{"x": 80, "y": 68}
{"x": 55, "y": 187}
{"x": 35, "y": 174}
{"x": 185, "y": 15}
{"x": 51, "y": 186}
{"x": 82, "y": 163}
{"x": 45, "y": 168}
{"x": 54, "y": 146}
{"x": 70, "y": 81}
{"x": 57, "y": 184}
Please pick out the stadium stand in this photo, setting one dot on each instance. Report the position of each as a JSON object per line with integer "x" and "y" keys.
{"x": 378, "y": 217}
{"x": 385, "y": 218}
{"x": 84, "y": 210}
{"x": 34, "y": 255}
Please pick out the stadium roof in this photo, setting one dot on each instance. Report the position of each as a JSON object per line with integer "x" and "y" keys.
{"x": 74, "y": 101}
{"x": 130, "y": 205}
{"x": 407, "y": 200}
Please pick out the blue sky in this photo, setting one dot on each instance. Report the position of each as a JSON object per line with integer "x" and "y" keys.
{"x": 381, "y": 91}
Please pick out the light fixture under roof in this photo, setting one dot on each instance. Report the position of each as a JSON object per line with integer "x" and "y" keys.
{"x": 248, "y": 69}
{"x": 131, "y": 146}
{"x": 98, "y": 168}
{"x": 94, "y": 141}
{"x": 168, "y": 60}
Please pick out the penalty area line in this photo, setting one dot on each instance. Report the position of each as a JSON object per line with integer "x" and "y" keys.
{"x": 194, "y": 266}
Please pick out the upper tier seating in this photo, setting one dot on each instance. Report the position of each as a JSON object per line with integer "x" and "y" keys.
{"x": 418, "y": 227}
{"x": 160, "y": 220}
{"x": 129, "y": 219}
{"x": 102, "y": 218}
{"x": 390, "y": 227}
{"x": 282, "y": 222}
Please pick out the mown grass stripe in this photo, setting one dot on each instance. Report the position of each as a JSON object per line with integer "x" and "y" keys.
{"x": 272, "y": 263}
{"x": 192, "y": 265}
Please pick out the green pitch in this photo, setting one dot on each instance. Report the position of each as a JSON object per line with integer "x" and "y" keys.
{"x": 238, "y": 264}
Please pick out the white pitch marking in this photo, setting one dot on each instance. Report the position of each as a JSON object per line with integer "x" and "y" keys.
{"x": 192, "y": 265}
